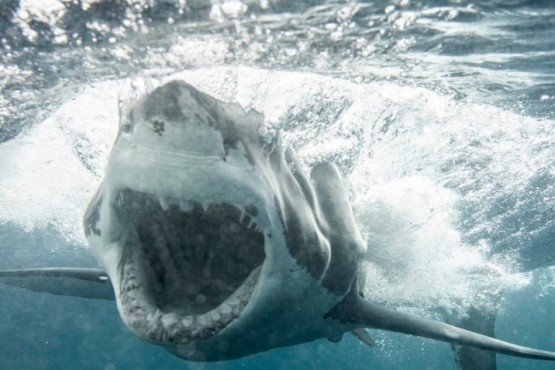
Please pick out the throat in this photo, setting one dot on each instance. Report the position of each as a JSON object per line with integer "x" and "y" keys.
{"x": 195, "y": 260}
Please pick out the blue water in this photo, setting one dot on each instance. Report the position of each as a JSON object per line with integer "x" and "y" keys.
{"x": 45, "y": 332}
{"x": 440, "y": 115}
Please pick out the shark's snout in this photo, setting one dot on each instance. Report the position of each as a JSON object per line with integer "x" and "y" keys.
{"x": 179, "y": 117}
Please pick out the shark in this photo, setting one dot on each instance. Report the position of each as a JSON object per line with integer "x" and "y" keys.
{"x": 216, "y": 244}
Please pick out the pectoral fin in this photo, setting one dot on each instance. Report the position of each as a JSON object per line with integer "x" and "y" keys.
{"x": 77, "y": 282}
{"x": 354, "y": 309}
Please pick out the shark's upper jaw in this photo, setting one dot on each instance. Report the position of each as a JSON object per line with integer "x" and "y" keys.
{"x": 187, "y": 270}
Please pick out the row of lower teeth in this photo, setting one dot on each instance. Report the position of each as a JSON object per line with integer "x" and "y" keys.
{"x": 170, "y": 327}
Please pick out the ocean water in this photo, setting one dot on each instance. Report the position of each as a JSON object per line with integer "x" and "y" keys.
{"x": 439, "y": 114}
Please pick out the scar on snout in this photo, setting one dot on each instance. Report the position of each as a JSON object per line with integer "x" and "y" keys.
{"x": 158, "y": 127}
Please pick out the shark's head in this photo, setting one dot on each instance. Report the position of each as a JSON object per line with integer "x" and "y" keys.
{"x": 213, "y": 239}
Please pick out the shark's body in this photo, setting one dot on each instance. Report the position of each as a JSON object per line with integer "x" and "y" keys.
{"x": 218, "y": 246}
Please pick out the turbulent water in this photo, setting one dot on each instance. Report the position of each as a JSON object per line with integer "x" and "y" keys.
{"x": 440, "y": 115}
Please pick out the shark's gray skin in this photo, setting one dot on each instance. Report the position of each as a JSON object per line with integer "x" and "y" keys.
{"x": 218, "y": 246}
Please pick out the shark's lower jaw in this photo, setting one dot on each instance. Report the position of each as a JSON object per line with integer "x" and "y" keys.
{"x": 187, "y": 271}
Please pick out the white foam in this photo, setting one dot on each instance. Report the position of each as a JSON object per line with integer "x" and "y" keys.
{"x": 427, "y": 159}
{"x": 48, "y": 174}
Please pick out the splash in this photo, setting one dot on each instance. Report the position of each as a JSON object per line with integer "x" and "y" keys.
{"x": 48, "y": 173}
{"x": 446, "y": 194}
{"x": 417, "y": 258}
{"x": 428, "y": 174}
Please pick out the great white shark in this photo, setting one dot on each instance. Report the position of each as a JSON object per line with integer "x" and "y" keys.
{"x": 216, "y": 245}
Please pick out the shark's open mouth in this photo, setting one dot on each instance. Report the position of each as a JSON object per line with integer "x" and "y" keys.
{"x": 188, "y": 270}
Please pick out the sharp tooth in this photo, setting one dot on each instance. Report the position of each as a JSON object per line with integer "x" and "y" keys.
{"x": 215, "y": 315}
{"x": 234, "y": 302}
{"x": 252, "y": 222}
{"x": 170, "y": 319}
{"x": 185, "y": 206}
{"x": 187, "y": 322}
{"x": 153, "y": 316}
{"x": 205, "y": 206}
{"x": 164, "y": 204}
{"x": 236, "y": 311}
{"x": 120, "y": 199}
{"x": 202, "y": 320}
{"x": 225, "y": 309}
{"x": 243, "y": 214}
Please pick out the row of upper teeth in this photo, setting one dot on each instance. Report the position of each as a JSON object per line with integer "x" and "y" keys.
{"x": 186, "y": 206}
{"x": 173, "y": 328}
